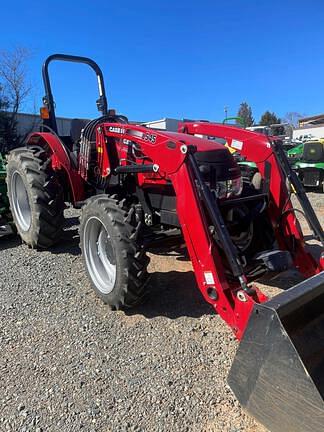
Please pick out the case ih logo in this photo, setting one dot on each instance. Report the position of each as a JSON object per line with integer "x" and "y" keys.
{"x": 116, "y": 129}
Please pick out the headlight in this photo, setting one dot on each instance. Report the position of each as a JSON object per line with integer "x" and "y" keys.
{"x": 229, "y": 188}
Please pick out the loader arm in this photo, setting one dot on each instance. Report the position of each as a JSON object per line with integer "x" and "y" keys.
{"x": 171, "y": 156}
{"x": 275, "y": 171}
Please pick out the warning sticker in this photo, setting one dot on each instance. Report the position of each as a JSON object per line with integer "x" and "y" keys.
{"x": 209, "y": 278}
{"x": 238, "y": 145}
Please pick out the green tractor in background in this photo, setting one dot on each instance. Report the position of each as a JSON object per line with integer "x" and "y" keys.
{"x": 296, "y": 152}
{"x": 307, "y": 159}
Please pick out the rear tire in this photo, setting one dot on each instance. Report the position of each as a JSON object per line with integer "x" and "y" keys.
{"x": 115, "y": 262}
{"x": 35, "y": 196}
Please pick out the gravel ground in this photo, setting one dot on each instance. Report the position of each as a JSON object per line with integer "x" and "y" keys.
{"x": 70, "y": 364}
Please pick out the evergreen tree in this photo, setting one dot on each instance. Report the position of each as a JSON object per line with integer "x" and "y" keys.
{"x": 245, "y": 113}
{"x": 268, "y": 118}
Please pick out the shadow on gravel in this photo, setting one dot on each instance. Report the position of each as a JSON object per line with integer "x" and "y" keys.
{"x": 68, "y": 244}
{"x": 9, "y": 242}
{"x": 173, "y": 295}
{"x": 70, "y": 239}
{"x": 180, "y": 253}
{"x": 283, "y": 280}
{"x": 71, "y": 222}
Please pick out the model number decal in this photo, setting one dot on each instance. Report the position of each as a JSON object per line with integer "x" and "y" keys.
{"x": 149, "y": 137}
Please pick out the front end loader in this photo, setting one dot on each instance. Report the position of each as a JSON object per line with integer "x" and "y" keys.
{"x": 138, "y": 187}
{"x": 277, "y": 374}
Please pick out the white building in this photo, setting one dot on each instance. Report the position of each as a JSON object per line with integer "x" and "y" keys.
{"x": 310, "y": 127}
{"x": 27, "y": 123}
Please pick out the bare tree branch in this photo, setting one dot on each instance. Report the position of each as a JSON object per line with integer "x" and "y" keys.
{"x": 292, "y": 118}
{"x": 14, "y": 87}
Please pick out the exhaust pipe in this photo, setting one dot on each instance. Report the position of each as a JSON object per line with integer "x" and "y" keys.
{"x": 278, "y": 372}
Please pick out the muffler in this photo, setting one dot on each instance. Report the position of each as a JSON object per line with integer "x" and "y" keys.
{"x": 278, "y": 372}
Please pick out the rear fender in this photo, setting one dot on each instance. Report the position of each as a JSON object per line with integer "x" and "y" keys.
{"x": 60, "y": 161}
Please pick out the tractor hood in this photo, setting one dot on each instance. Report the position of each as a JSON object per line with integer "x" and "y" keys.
{"x": 215, "y": 161}
{"x": 218, "y": 163}
{"x": 201, "y": 144}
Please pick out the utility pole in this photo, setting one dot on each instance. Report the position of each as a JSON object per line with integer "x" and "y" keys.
{"x": 225, "y": 110}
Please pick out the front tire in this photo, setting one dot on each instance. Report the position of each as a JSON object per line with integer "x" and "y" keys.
{"x": 35, "y": 196}
{"x": 115, "y": 261}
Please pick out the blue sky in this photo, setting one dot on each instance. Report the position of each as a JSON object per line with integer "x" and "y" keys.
{"x": 176, "y": 58}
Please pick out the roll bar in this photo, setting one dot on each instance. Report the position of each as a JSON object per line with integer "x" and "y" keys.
{"x": 48, "y": 98}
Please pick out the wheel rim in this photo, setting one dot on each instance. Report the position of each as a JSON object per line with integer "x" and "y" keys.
{"x": 20, "y": 202}
{"x": 99, "y": 255}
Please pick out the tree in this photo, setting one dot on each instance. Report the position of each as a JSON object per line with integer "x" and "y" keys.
{"x": 269, "y": 118}
{"x": 292, "y": 118}
{"x": 245, "y": 113}
{"x": 14, "y": 91}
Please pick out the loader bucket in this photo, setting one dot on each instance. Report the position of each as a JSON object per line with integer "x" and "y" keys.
{"x": 278, "y": 372}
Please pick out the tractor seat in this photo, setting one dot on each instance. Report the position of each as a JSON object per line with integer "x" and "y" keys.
{"x": 76, "y": 127}
{"x": 75, "y": 133}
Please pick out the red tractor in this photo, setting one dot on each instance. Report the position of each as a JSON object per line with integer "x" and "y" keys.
{"x": 137, "y": 186}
